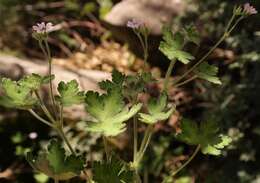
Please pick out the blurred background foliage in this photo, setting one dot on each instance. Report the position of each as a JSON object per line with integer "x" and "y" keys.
{"x": 235, "y": 105}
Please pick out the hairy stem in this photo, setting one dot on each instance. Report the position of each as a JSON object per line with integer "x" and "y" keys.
{"x": 40, "y": 118}
{"x": 106, "y": 147}
{"x": 144, "y": 144}
{"x": 185, "y": 164}
{"x": 50, "y": 74}
{"x": 135, "y": 126}
{"x": 168, "y": 74}
{"x": 186, "y": 81}
{"x": 144, "y": 44}
{"x": 64, "y": 138}
{"x": 44, "y": 108}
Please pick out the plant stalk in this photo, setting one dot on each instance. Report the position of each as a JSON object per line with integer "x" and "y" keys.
{"x": 135, "y": 126}
{"x": 50, "y": 74}
{"x": 40, "y": 118}
{"x": 185, "y": 164}
{"x": 168, "y": 74}
{"x": 186, "y": 81}
{"x": 106, "y": 147}
{"x": 64, "y": 138}
{"x": 44, "y": 108}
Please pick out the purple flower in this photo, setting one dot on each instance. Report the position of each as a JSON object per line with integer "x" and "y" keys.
{"x": 43, "y": 28}
{"x": 249, "y": 10}
{"x": 134, "y": 24}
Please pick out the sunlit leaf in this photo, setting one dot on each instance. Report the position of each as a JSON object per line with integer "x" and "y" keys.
{"x": 172, "y": 45}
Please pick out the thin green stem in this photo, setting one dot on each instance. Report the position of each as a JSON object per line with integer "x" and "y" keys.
{"x": 56, "y": 181}
{"x": 40, "y": 118}
{"x": 106, "y": 147}
{"x": 235, "y": 24}
{"x": 168, "y": 74}
{"x": 226, "y": 33}
{"x": 64, "y": 138}
{"x": 144, "y": 45}
{"x": 146, "y": 53}
{"x": 144, "y": 144}
{"x": 50, "y": 74}
{"x": 201, "y": 60}
{"x": 43, "y": 50}
{"x": 44, "y": 108}
{"x": 185, "y": 164}
{"x": 135, "y": 126}
{"x": 186, "y": 81}
{"x": 61, "y": 116}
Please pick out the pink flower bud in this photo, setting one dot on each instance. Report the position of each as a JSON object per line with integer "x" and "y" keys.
{"x": 249, "y": 10}
{"x": 134, "y": 24}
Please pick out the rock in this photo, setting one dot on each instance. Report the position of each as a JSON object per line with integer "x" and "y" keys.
{"x": 154, "y": 13}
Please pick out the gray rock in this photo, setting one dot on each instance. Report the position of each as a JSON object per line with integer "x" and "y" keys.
{"x": 154, "y": 13}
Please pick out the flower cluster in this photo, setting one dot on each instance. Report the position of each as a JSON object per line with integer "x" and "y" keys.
{"x": 134, "y": 24}
{"x": 249, "y": 10}
{"x": 43, "y": 28}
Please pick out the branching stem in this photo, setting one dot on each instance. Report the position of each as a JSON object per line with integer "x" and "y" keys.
{"x": 44, "y": 108}
{"x": 186, "y": 81}
{"x": 168, "y": 74}
{"x": 40, "y": 118}
{"x": 185, "y": 164}
{"x": 227, "y": 32}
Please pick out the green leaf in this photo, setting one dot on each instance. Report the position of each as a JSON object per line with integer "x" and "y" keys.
{"x": 35, "y": 81}
{"x": 192, "y": 34}
{"x": 54, "y": 162}
{"x": 16, "y": 95}
{"x": 206, "y": 134}
{"x": 136, "y": 84}
{"x": 208, "y": 72}
{"x": 157, "y": 110}
{"x": 88, "y": 8}
{"x": 171, "y": 46}
{"x": 117, "y": 81}
{"x": 112, "y": 171}
{"x": 69, "y": 93}
{"x": 105, "y": 7}
{"x": 109, "y": 112}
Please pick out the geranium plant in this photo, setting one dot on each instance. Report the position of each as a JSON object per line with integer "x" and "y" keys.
{"x": 117, "y": 105}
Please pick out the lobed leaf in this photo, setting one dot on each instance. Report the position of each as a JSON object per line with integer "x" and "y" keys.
{"x": 112, "y": 171}
{"x": 157, "y": 110}
{"x": 117, "y": 81}
{"x": 35, "y": 81}
{"x": 208, "y": 72}
{"x": 54, "y": 162}
{"x": 192, "y": 34}
{"x": 109, "y": 112}
{"x": 171, "y": 46}
{"x": 16, "y": 95}
{"x": 69, "y": 93}
{"x": 206, "y": 134}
